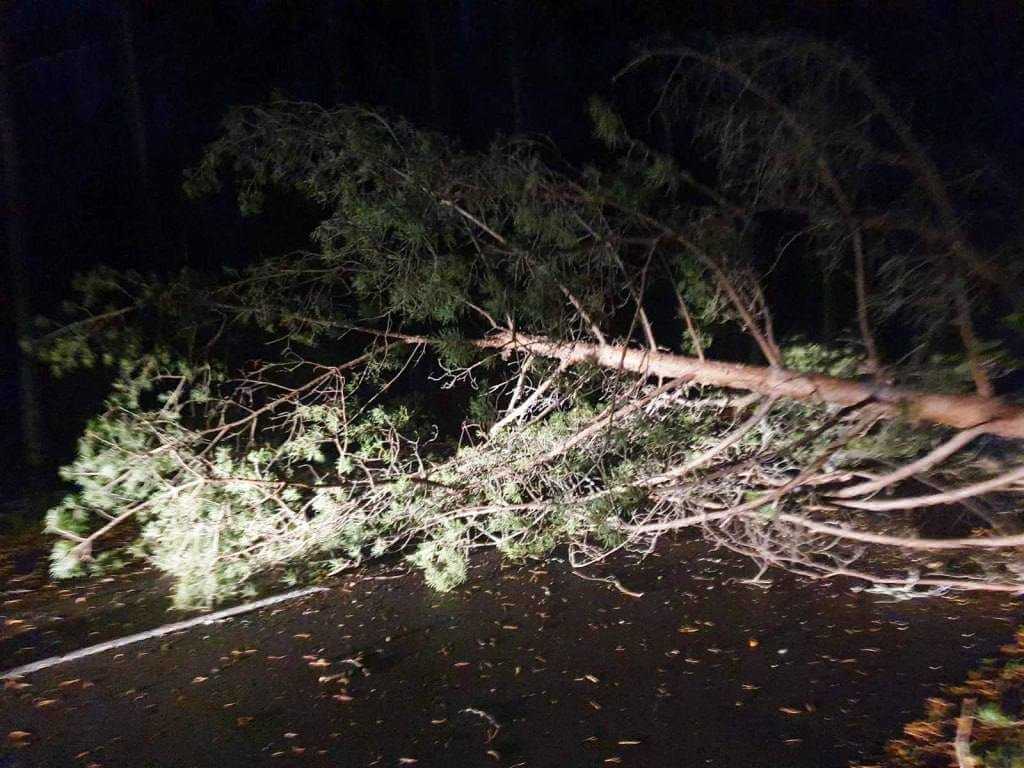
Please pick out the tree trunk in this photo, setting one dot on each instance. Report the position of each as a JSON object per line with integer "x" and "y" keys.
{"x": 429, "y": 32}
{"x": 513, "y": 63}
{"x": 828, "y": 309}
{"x": 32, "y": 422}
{"x": 136, "y": 118}
{"x": 960, "y": 411}
{"x": 332, "y": 62}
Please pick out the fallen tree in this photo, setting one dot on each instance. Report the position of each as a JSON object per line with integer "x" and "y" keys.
{"x": 989, "y": 415}
{"x": 533, "y": 355}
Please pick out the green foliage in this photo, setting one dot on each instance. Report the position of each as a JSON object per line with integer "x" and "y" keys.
{"x": 64, "y": 564}
{"x": 1007, "y": 756}
{"x": 893, "y": 440}
{"x": 992, "y": 715}
{"x": 817, "y": 358}
{"x": 608, "y": 126}
{"x": 444, "y": 560}
{"x": 317, "y": 452}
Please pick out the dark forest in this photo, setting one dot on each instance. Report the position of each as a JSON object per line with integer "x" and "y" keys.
{"x": 472, "y": 335}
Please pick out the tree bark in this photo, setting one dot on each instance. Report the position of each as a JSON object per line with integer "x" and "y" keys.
{"x": 992, "y": 415}
{"x": 32, "y": 422}
{"x": 510, "y": 16}
{"x": 429, "y": 32}
{"x": 136, "y": 118}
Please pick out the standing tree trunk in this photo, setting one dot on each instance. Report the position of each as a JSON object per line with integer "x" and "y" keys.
{"x": 429, "y": 32}
{"x": 828, "y": 309}
{"x": 513, "y": 63}
{"x": 332, "y": 71}
{"x": 136, "y": 118}
{"x": 32, "y": 422}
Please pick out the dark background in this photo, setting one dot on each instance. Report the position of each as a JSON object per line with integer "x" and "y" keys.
{"x": 101, "y": 169}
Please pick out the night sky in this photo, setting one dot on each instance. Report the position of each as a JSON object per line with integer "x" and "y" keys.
{"x": 469, "y": 68}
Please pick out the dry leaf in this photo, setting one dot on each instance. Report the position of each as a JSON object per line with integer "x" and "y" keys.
{"x": 331, "y": 678}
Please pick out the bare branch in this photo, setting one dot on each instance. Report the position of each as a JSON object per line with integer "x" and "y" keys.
{"x": 923, "y": 464}
{"x": 950, "y": 497}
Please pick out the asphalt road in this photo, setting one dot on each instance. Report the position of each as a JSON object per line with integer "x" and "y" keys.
{"x": 522, "y": 666}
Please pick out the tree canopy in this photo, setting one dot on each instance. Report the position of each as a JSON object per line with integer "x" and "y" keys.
{"x": 499, "y": 349}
